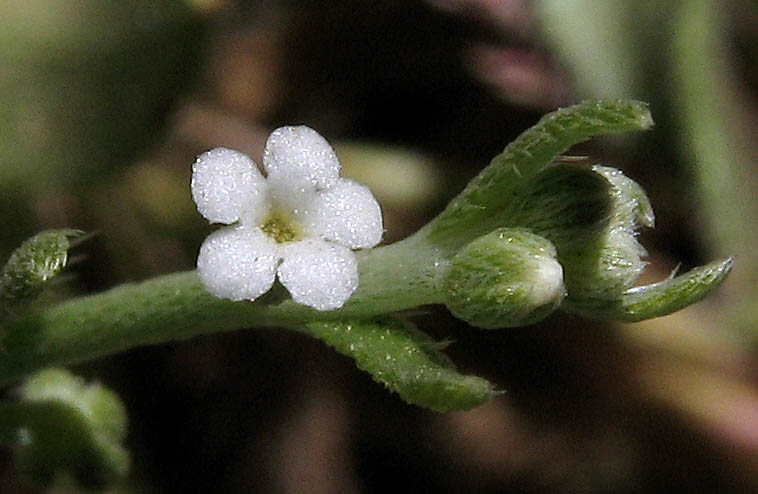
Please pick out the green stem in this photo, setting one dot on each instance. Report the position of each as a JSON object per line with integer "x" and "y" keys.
{"x": 176, "y": 307}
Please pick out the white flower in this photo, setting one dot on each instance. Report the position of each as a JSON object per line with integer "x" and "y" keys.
{"x": 300, "y": 221}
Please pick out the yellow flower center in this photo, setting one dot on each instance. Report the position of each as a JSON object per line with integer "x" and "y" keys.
{"x": 278, "y": 227}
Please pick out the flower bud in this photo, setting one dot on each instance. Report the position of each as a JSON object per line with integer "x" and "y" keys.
{"x": 607, "y": 263}
{"x": 72, "y": 427}
{"x": 33, "y": 264}
{"x": 591, "y": 215}
{"x": 506, "y": 278}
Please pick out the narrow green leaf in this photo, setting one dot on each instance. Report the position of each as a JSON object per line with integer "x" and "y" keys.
{"x": 529, "y": 154}
{"x": 406, "y": 361}
{"x": 657, "y": 299}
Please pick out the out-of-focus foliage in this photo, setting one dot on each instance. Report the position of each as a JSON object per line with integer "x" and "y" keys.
{"x": 84, "y": 85}
{"x": 61, "y": 427}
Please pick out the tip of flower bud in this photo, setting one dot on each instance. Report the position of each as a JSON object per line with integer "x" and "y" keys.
{"x": 547, "y": 281}
{"x": 32, "y": 265}
{"x": 506, "y": 278}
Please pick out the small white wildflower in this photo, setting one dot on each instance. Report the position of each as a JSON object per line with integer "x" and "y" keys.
{"x": 300, "y": 221}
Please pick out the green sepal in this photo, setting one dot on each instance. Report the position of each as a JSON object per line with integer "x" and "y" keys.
{"x": 608, "y": 260}
{"x": 506, "y": 278}
{"x": 469, "y": 214}
{"x": 63, "y": 426}
{"x": 567, "y": 204}
{"x": 657, "y": 299}
{"x": 407, "y": 361}
{"x": 32, "y": 265}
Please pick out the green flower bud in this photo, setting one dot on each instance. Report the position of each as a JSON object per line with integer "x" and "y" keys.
{"x": 68, "y": 426}
{"x": 33, "y": 264}
{"x": 608, "y": 262}
{"x": 506, "y": 278}
{"x": 611, "y": 262}
{"x": 591, "y": 215}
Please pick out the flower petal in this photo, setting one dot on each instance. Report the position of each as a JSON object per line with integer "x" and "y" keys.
{"x": 298, "y": 159}
{"x": 227, "y": 186}
{"x": 346, "y": 213}
{"x": 238, "y": 263}
{"x": 319, "y": 274}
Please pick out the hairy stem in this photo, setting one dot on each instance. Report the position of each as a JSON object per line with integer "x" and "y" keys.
{"x": 176, "y": 307}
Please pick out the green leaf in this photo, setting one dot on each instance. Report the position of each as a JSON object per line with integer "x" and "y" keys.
{"x": 488, "y": 193}
{"x": 33, "y": 265}
{"x": 657, "y": 299}
{"x": 63, "y": 425}
{"x": 406, "y": 361}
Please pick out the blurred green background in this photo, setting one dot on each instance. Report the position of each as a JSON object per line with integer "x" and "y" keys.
{"x": 104, "y": 104}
